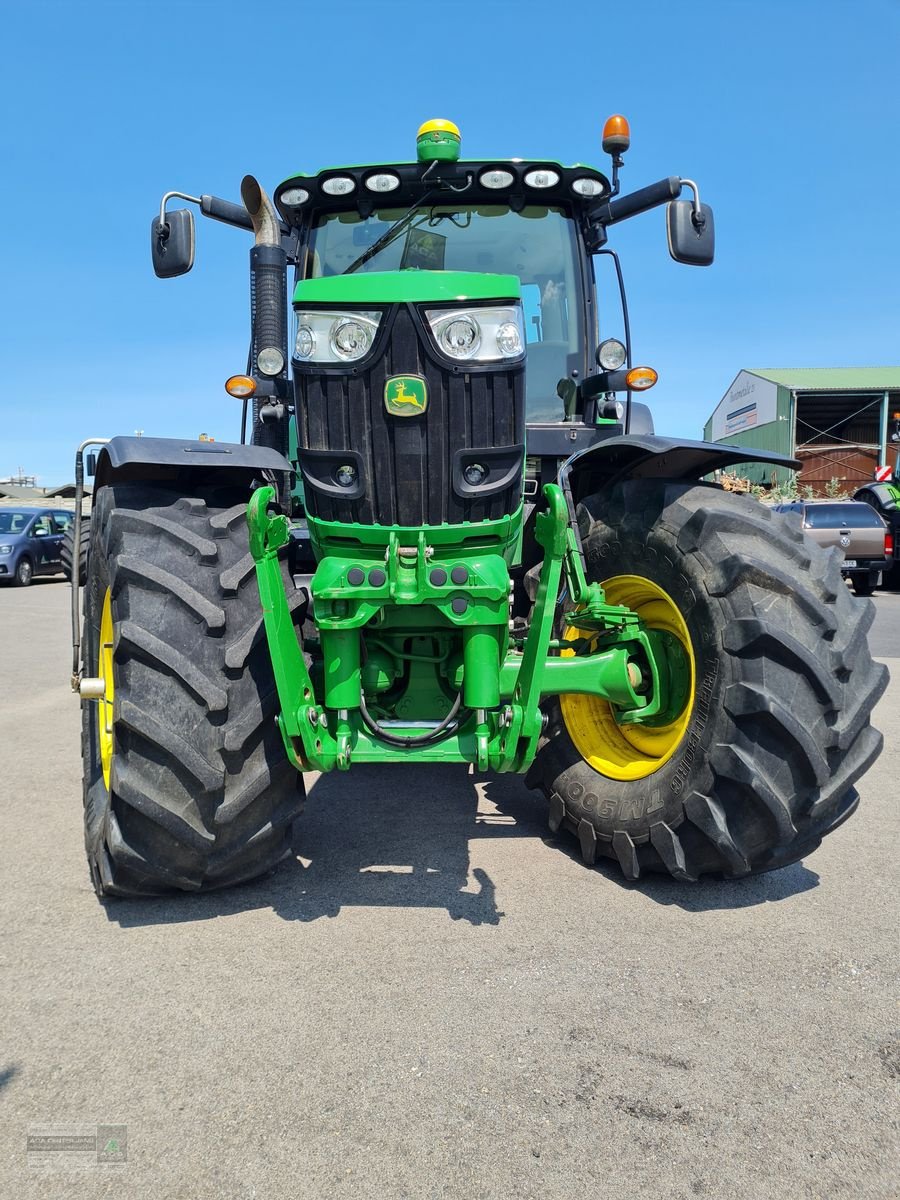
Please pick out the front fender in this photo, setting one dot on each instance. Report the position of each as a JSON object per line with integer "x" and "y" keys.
{"x": 140, "y": 459}
{"x": 647, "y": 456}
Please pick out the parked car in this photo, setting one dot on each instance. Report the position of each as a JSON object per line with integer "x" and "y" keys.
{"x": 31, "y": 543}
{"x": 856, "y": 529}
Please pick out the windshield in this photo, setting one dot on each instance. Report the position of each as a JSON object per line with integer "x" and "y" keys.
{"x": 14, "y": 522}
{"x": 537, "y": 244}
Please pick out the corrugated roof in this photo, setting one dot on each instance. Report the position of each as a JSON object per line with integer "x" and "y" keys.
{"x": 832, "y": 379}
{"x": 16, "y": 492}
{"x": 66, "y": 490}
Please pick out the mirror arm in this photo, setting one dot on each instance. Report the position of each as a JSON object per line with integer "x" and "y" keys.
{"x": 163, "y": 227}
{"x": 212, "y": 206}
{"x": 697, "y": 216}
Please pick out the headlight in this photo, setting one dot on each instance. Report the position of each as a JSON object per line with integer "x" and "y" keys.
{"x": 479, "y": 334}
{"x": 611, "y": 354}
{"x": 334, "y": 337}
{"x": 6, "y": 549}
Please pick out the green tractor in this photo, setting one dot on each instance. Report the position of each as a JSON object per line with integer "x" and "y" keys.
{"x": 448, "y": 534}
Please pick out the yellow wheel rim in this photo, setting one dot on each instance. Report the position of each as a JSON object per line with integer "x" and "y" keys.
{"x": 105, "y": 671}
{"x": 629, "y": 752}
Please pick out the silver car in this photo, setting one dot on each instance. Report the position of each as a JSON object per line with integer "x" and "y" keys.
{"x": 856, "y": 529}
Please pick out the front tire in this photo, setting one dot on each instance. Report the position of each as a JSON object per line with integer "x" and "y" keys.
{"x": 777, "y": 730}
{"x": 186, "y": 782}
{"x": 67, "y": 552}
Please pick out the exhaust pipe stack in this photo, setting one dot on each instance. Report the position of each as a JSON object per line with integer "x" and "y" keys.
{"x": 262, "y": 212}
{"x": 268, "y": 311}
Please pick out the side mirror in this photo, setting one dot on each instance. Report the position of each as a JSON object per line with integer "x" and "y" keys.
{"x": 90, "y": 464}
{"x": 172, "y": 244}
{"x": 692, "y": 237}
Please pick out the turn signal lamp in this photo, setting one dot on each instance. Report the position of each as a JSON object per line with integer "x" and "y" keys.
{"x": 639, "y": 379}
{"x": 240, "y": 386}
{"x": 438, "y": 140}
{"x": 616, "y": 135}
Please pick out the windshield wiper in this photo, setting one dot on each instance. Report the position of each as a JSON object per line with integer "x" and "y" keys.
{"x": 389, "y": 235}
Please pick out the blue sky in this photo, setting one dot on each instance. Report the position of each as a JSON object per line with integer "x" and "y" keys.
{"x": 786, "y": 113}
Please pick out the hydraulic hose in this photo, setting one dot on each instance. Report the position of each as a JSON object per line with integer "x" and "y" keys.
{"x": 444, "y": 729}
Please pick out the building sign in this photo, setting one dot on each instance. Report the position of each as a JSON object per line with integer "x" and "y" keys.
{"x": 750, "y": 401}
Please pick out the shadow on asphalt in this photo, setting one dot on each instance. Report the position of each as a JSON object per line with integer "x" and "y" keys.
{"x": 397, "y": 838}
{"x": 400, "y": 839}
{"x": 709, "y": 894}
{"x": 7, "y": 1075}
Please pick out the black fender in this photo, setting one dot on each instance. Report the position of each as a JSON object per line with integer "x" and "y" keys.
{"x": 880, "y": 496}
{"x": 186, "y": 463}
{"x": 647, "y": 456}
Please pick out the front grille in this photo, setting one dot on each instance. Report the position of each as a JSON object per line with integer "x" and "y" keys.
{"x": 406, "y": 462}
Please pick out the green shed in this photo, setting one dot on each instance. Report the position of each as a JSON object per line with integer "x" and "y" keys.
{"x": 836, "y": 420}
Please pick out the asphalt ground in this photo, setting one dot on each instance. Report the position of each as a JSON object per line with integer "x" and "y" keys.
{"x": 438, "y": 999}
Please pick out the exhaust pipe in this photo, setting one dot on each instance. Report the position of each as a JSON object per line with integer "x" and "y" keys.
{"x": 262, "y": 212}
{"x": 268, "y": 314}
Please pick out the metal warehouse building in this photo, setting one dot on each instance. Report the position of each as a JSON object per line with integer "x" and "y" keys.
{"x": 836, "y": 420}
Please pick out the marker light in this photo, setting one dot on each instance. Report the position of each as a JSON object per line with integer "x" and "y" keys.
{"x": 294, "y": 196}
{"x": 384, "y": 181}
{"x": 611, "y": 354}
{"x": 438, "y": 140}
{"x": 496, "y": 178}
{"x": 270, "y": 360}
{"x": 338, "y": 185}
{"x": 616, "y": 135}
{"x": 542, "y": 178}
{"x": 240, "y": 386}
{"x": 588, "y": 187}
{"x": 639, "y": 379}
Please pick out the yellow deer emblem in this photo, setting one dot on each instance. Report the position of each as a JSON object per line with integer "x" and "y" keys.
{"x": 404, "y": 396}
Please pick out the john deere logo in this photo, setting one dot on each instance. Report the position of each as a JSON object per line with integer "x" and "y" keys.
{"x": 405, "y": 396}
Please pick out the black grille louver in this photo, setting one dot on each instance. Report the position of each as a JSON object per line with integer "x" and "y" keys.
{"x": 407, "y": 461}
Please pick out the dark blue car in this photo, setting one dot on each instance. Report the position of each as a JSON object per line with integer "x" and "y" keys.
{"x": 31, "y": 543}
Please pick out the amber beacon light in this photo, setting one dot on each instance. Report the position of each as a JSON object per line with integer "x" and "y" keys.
{"x": 616, "y": 135}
